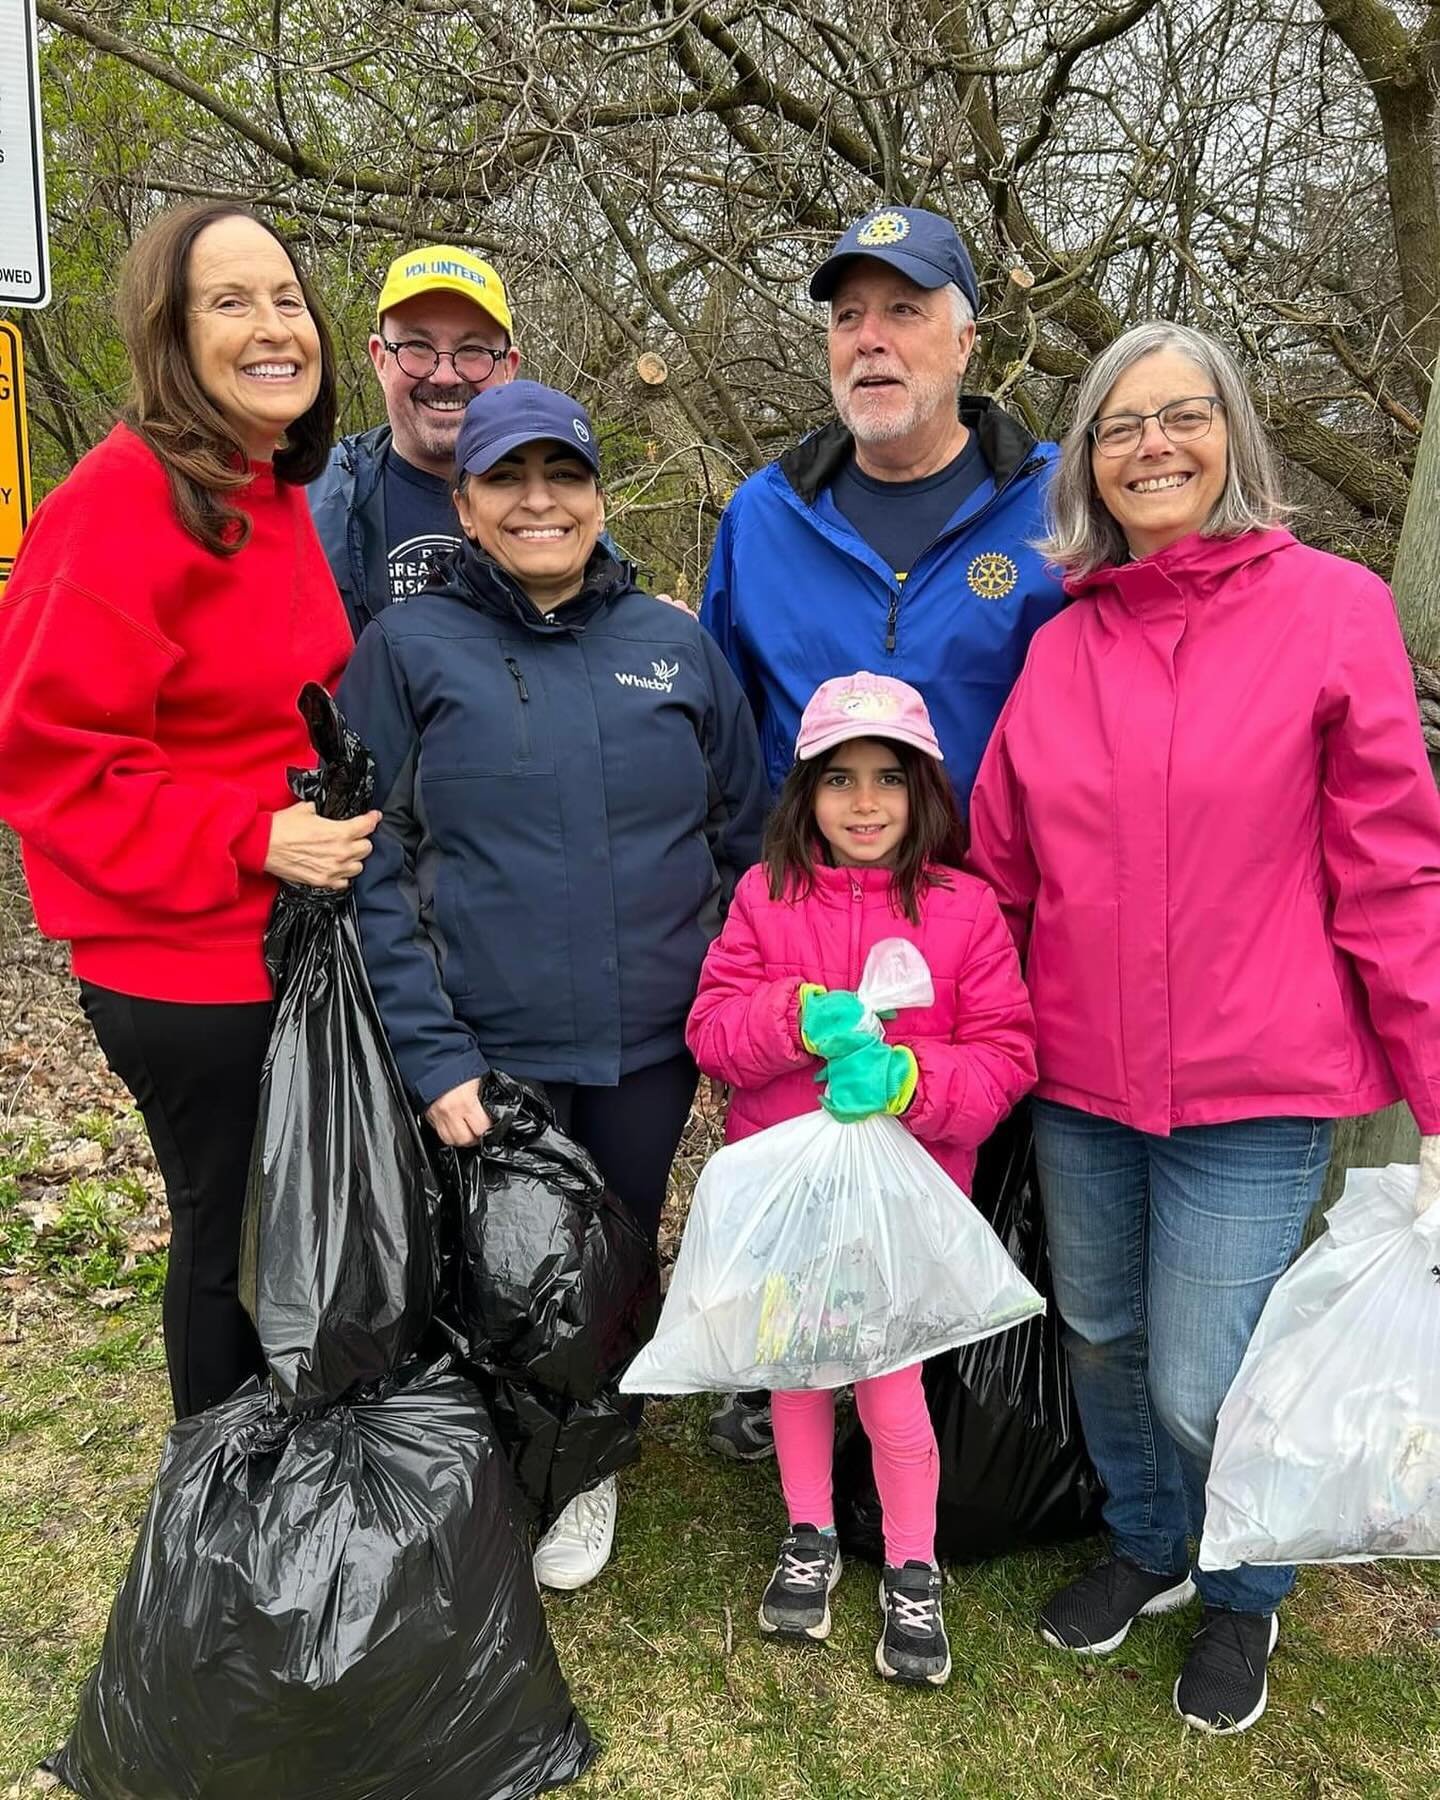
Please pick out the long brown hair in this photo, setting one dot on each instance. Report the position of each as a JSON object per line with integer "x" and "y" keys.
{"x": 201, "y": 454}
{"x": 936, "y": 832}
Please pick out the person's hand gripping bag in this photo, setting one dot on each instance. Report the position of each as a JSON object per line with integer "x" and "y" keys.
{"x": 821, "y": 1252}
{"x": 1328, "y": 1447}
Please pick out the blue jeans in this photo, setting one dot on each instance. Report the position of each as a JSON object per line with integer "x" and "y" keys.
{"x": 1163, "y": 1252}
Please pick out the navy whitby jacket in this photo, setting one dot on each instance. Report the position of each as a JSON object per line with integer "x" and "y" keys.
{"x": 795, "y": 595}
{"x": 569, "y": 801}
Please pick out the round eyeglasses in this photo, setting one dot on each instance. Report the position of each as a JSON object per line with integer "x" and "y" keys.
{"x": 1182, "y": 421}
{"x": 471, "y": 362}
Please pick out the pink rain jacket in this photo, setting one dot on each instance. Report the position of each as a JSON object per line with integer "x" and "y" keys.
{"x": 975, "y": 1047}
{"x": 1209, "y": 817}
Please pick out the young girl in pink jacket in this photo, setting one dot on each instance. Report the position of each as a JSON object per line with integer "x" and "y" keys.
{"x": 864, "y": 844}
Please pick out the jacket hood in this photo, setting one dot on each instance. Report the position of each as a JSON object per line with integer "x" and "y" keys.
{"x": 812, "y": 464}
{"x": 474, "y": 577}
{"x": 1194, "y": 566}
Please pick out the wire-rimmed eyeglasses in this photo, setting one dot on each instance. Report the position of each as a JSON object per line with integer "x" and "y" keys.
{"x": 1117, "y": 434}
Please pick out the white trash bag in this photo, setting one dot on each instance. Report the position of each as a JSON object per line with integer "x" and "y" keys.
{"x": 1328, "y": 1448}
{"x": 819, "y": 1253}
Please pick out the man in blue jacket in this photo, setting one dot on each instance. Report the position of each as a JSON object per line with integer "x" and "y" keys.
{"x": 896, "y": 538}
{"x": 383, "y": 506}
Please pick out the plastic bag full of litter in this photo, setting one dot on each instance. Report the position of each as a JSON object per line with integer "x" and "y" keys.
{"x": 1328, "y": 1447}
{"x": 819, "y": 1253}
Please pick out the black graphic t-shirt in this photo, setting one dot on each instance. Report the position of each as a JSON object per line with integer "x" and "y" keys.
{"x": 900, "y": 520}
{"x": 420, "y": 523}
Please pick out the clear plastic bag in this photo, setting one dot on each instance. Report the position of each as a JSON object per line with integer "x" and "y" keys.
{"x": 1328, "y": 1447}
{"x": 819, "y": 1253}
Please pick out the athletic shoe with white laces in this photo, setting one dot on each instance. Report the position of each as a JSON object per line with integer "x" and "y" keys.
{"x": 913, "y": 1647}
{"x": 577, "y": 1546}
{"x": 797, "y": 1601}
{"x": 1223, "y": 1687}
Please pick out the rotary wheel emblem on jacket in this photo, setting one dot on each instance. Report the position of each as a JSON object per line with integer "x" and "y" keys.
{"x": 884, "y": 228}
{"x": 992, "y": 575}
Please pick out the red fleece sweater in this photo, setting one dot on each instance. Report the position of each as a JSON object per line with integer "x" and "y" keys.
{"x": 147, "y": 718}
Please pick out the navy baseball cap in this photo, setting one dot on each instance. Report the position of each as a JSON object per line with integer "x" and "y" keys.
{"x": 919, "y": 244}
{"x": 501, "y": 419}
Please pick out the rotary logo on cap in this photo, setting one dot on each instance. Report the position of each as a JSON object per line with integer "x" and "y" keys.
{"x": 883, "y": 228}
{"x": 578, "y": 427}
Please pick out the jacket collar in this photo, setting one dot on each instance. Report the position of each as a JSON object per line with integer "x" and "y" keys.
{"x": 812, "y": 464}
{"x": 838, "y": 886}
{"x": 361, "y": 460}
{"x": 478, "y": 580}
{"x": 1193, "y": 568}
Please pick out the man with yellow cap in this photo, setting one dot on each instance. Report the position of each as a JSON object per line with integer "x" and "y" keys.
{"x": 383, "y": 505}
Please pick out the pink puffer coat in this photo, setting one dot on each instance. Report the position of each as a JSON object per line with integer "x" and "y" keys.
{"x": 1208, "y": 815}
{"x": 975, "y": 1047}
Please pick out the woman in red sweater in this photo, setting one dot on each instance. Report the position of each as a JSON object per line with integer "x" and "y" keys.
{"x": 168, "y": 603}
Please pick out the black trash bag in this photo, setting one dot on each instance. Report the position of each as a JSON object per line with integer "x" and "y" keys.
{"x": 552, "y": 1291}
{"x": 330, "y": 1605}
{"x": 558, "y": 1448}
{"x": 1014, "y": 1471}
{"x": 337, "y": 1258}
{"x": 557, "y": 1287}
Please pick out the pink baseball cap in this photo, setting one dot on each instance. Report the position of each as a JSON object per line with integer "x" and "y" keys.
{"x": 865, "y": 706}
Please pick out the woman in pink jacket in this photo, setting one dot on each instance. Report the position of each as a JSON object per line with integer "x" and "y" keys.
{"x": 1209, "y": 817}
{"x": 864, "y": 845}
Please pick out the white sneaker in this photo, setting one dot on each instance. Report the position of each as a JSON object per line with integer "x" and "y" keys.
{"x": 577, "y": 1546}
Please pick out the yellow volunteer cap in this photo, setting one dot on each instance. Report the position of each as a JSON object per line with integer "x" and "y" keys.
{"x": 456, "y": 271}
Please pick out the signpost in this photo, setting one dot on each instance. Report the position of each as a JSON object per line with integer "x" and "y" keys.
{"x": 14, "y": 451}
{"x": 24, "y": 250}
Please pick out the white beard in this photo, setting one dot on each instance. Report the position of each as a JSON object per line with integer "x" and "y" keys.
{"x": 925, "y": 397}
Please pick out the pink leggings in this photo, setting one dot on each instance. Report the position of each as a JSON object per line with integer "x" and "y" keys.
{"x": 902, "y": 1444}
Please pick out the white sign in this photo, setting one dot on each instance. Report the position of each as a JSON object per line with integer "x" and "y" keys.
{"x": 24, "y": 251}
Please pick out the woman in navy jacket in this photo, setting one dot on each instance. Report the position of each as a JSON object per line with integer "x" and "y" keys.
{"x": 572, "y": 786}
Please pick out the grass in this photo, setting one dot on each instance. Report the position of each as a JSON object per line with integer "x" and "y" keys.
{"x": 662, "y": 1652}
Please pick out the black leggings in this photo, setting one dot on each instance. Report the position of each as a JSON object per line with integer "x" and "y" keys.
{"x": 195, "y": 1075}
{"x": 632, "y": 1130}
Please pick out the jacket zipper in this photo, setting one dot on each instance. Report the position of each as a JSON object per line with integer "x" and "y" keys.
{"x": 524, "y": 697}
{"x": 892, "y": 620}
{"x": 857, "y": 919}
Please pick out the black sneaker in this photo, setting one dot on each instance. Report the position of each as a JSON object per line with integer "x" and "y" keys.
{"x": 740, "y": 1430}
{"x": 1222, "y": 1688}
{"x": 913, "y": 1647}
{"x": 1092, "y": 1615}
{"x": 797, "y": 1601}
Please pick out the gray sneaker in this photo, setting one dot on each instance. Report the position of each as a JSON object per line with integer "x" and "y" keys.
{"x": 797, "y": 1601}
{"x": 913, "y": 1647}
{"x": 740, "y": 1430}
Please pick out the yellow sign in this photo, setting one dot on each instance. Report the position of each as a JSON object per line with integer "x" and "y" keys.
{"x": 14, "y": 450}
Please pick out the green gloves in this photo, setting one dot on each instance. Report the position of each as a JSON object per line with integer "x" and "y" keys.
{"x": 875, "y": 1078}
{"x": 833, "y": 1025}
{"x": 863, "y": 1074}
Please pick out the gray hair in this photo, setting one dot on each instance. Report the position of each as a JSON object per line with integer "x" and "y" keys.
{"x": 1083, "y": 536}
{"x": 960, "y": 305}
